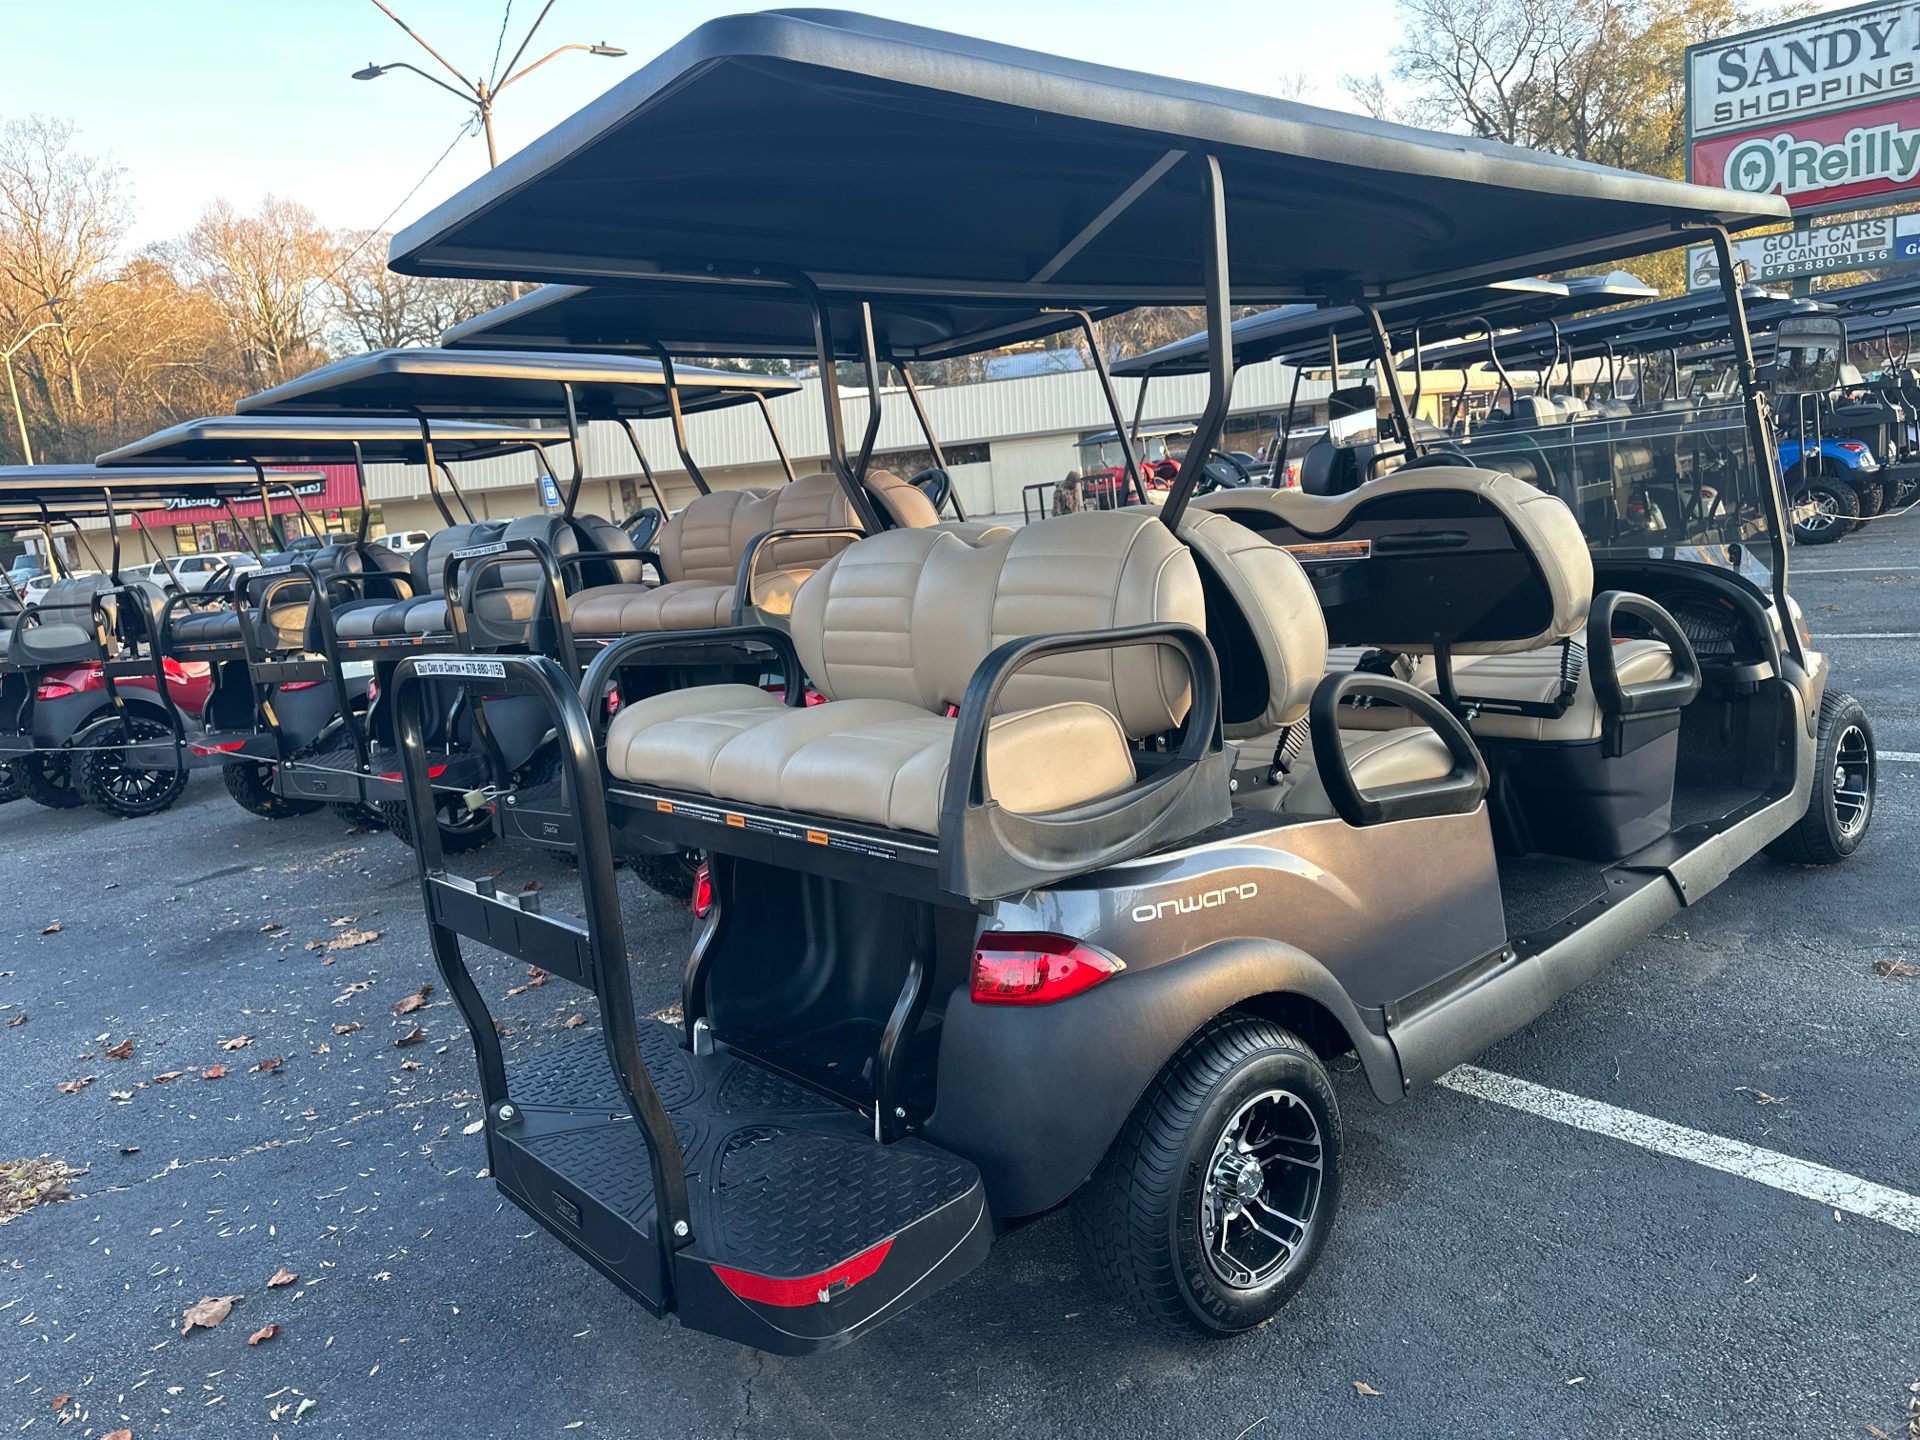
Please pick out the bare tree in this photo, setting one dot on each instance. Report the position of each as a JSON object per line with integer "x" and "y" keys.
{"x": 375, "y": 308}
{"x": 267, "y": 275}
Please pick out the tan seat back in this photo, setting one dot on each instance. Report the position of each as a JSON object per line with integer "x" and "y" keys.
{"x": 1264, "y": 622}
{"x": 1521, "y": 579}
{"x": 706, "y": 540}
{"x": 910, "y": 614}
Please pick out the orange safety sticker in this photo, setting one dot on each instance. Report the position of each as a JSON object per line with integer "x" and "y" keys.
{"x": 666, "y": 805}
{"x": 738, "y": 821}
{"x": 816, "y": 837}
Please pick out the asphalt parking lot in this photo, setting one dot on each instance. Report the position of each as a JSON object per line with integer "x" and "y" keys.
{"x": 1493, "y": 1273}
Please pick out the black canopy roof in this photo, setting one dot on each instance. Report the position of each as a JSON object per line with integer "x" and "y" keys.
{"x": 134, "y": 486}
{"x": 763, "y": 320}
{"x": 878, "y": 156}
{"x": 1873, "y": 297}
{"x": 1880, "y": 324}
{"x": 321, "y": 440}
{"x": 1298, "y": 333}
{"x": 444, "y": 383}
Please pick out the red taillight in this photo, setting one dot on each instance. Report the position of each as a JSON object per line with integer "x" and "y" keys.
{"x": 806, "y": 1289}
{"x": 702, "y": 890}
{"x": 613, "y": 700}
{"x": 225, "y": 747}
{"x": 814, "y": 697}
{"x": 434, "y": 772}
{"x": 53, "y": 690}
{"x": 286, "y": 685}
{"x": 1023, "y": 968}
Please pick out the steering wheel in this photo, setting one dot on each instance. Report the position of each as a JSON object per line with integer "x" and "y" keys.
{"x": 1223, "y": 471}
{"x": 643, "y": 525}
{"x": 936, "y": 485}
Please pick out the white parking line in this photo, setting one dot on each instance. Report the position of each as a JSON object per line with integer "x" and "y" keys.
{"x": 1868, "y": 635}
{"x": 1847, "y": 570}
{"x": 1906, "y": 755}
{"x": 1835, "y": 1188}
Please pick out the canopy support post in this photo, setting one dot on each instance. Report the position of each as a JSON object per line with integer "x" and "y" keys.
{"x": 645, "y": 468}
{"x": 779, "y": 445}
{"x": 360, "y": 484}
{"x": 679, "y": 420}
{"x": 240, "y": 529}
{"x": 1133, "y": 476}
{"x": 573, "y": 443}
{"x": 1283, "y": 435}
{"x": 926, "y": 429}
{"x": 1213, "y": 420}
{"x": 454, "y": 485}
{"x": 1383, "y": 353}
{"x": 113, "y": 535}
{"x": 856, "y": 493}
{"x": 1758, "y": 435}
{"x": 868, "y": 358}
{"x": 433, "y": 483}
{"x": 276, "y": 531}
{"x": 1140, "y": 406}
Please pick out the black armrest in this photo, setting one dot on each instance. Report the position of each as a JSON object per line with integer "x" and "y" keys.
{"x": 1631, "y": 715}
{"x": 606, "y": 666}
{"x": 1458, "y": 792}
{"x": 504, "y": 552}
{"x": 987, "y": 850}
{"x": 743, "y": 580}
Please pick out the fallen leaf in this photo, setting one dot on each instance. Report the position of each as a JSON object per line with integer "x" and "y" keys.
{"x": 265, "y": 1332}
{"x": 354, "y": 988}
{"x": 59, "y": 1402}
{"x": 475, "y": 1128}
{"x": 407, "y": 1004}
{"x": 213, "y": 1072}
{"x": 669, "y": 1013}
{"x": 1889, "y": 969}
{"x": 129, "y": 1149}
{"x": 348, "y": 1028}
{"x": 531, "y": 885}
{"x": 120, "y": 1094}
{"x": 1883, "y": 579}
{"x": 19, "y": 1019}
{"x": 282, "y": 1276}
{"x": 121, "y": 1434}
{"x": 74, "y": 1087}
{"x": 535, "y": 976}
{"x": 211, "y": 1310}
{"x": 1826, "y": 607}
{"x": 1761, "y": 1097}
{"x": 1366, "y": 1389}
{"x": 349, "y": 938}
{"x": 322, "y": 1048}
{"x": 412, "y": 1037}
{"x": 339, "y": 920}
{"x": 84, "y": 1055}
{"x": 1876, "y": 1430}
{"x": 51, "y": 929}
{"x": 409, "y": 1064}
{"x": 319, "y": 944}
{"x": 302, "y": 1408}
{"x": 575, "y": 1019}
{"x": 122, "y": 1051}
{"x": 271, "y": 925}
{"x": 272, "y": 1064}
{"x": 239, "y": 1042}
{"x": 166, "y": 1075}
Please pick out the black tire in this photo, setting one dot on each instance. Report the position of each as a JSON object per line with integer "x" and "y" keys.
{"x": 109, "y": 783}
{"x": 671, "y": 875}
{"x": 1163, "y": 1217}
{"x": 1873, "y": 497}
{"x": 47, "y": 779}
{"x": 334, "y": 749}
{"x": 250, "y": 782}
{"x": 10, "y": 787}
{"x": 1845, "y": 775}
{"x": 461, "y": 829}
{"x": 1838, "y": 508}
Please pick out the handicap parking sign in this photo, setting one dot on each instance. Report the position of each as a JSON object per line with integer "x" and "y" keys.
{"x": 549, "y": 491}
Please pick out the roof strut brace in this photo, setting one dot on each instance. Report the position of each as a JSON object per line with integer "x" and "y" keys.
{"x": 1213, "y": 420}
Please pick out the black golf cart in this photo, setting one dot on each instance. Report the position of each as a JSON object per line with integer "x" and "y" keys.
{"x": 1044, "y": 903}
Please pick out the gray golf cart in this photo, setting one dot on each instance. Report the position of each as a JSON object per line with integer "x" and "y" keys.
{"x": 1046, "y": 903}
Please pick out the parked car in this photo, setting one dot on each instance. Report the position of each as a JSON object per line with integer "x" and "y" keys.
{"x": 403, "y": 542}
{"x": 35, "y": 589}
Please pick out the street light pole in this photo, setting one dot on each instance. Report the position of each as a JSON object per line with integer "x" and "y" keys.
{"x": 6, "y": 357}
{"x": 482, "y": 92}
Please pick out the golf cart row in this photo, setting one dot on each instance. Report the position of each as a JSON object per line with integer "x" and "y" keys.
{"x": 1055, "y": 866}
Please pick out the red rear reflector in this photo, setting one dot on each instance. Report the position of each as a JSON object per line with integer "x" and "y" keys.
{"x": 225, "y": 747}
{"x": 434, "y": 772}
{"x": 1026, "y": 968}
{"x": 52, "y": 690}
{"x": 807, "y": 1289}
{"x": 702, "y": 890}
{"x": 814, "y": 697}
{"x": 299, "y": 684}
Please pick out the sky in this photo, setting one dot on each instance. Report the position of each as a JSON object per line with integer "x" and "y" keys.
{"x": 199, "y": 99}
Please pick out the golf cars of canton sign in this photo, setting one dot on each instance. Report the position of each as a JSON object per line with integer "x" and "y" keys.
{"x": 1824, "y": 110}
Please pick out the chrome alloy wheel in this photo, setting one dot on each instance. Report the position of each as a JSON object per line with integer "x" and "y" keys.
{"x": 1852, "y": 781}
{"x": 1262, "y": 1190}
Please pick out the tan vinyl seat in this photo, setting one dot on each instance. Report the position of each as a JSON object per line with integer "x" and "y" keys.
{"x": 1267, "y": 629}
{"x": 891, "y": 631}
{"x": 1534, "y": 677}
{"x": 700, "y": 550}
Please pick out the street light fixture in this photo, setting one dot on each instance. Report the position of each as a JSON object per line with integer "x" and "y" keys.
{"x": 6, "y": 358}
{"x": 480, "y": 93}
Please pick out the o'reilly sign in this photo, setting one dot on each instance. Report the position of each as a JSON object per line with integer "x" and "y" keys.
{"x": 1817, "y": 250}
{"x": 1824, "y": 110}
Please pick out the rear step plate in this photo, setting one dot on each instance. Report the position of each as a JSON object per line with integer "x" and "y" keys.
{"x": 539, "y": 813}
{"x": 806, "y": 1231}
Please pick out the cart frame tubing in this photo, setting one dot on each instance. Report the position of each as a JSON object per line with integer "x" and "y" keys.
{"x": 506, "y": 552}
{"x": 679, "y": 420}
{"x": 856, "y": 493}
{"x": 647, "y": 470}
{"x": 1383, "y": 351}
{"x": 606, "y": 949}
{"x": 1113, "y": 404}
{"x": 926, "y": 429}
{"x": 1213, "y": 419}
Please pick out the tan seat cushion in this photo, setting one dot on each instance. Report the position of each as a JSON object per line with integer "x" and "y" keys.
{"x": 1535, "y": 677}
{"x": 877, "y": 761}
{"x": 1376, "y": 758}
{"x": 630, "y": 609}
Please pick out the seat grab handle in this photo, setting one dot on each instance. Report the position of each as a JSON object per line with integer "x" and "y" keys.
{"x": 1458, "y": 792}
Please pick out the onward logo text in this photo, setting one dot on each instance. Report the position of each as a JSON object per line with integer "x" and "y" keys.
{"x": 1781, "y": 164}
{"x": 1187, "y": 904}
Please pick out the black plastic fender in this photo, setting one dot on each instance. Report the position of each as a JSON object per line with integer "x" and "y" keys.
{"x": 1034, "y": 1094}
